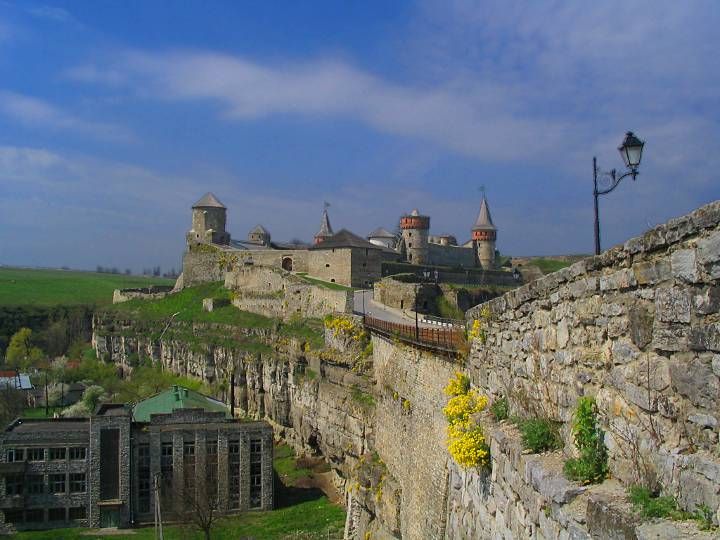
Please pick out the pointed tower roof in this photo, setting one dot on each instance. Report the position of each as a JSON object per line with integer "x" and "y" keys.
{"x": 259, "y": 229}
{"x": 208, "y": 201}
{"x": 484, "y": 220}
{"x": 325, "y": 227}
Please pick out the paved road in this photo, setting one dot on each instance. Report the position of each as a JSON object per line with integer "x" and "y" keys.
{"x": 383, "y": 312}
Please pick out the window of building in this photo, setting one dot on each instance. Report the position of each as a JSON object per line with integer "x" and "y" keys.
{"x": 78, "y": 452}
{"x": 13, "y": 516}
{"x": 77, "y": 512}
{"x": 14, "y": 484}
{"x": 34, "y": 515}
{"x": 255, "y": 473}
{"x": 364, "y": 265}
{"x": 56, "y": 514}
{"x": 166, "y": 467}
{"x": 189, "y": 467}
{"x": 366, "y": 252}
{"x": 57, "y": 453}
{"x": 410, "y": 245}
{"x": 56, "y": 483}
{"x": 35, "y": 484}
{"x": 234, "y": 473}
{"x": 327, "y": 265}
{"x": 211, "y": 464}
{"x": 110, "y": 463}
{"x": 77, "y": 483}
{"x": 332, "y": 280}
{"x": 144, "y": 484}
{"x": 36, "y": 454}
{"x": 15, "y": 454}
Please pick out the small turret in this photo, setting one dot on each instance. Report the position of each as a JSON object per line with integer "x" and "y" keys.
{"x": 208, "y": 222}
{"x": 484, "y": 234}
{"x": 259, "y": 235}
{"x": 325, "y": 228}
{"x": 415, "y": 229}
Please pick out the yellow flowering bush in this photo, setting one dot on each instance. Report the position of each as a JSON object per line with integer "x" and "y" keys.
{"x": 477, "y": 331}
{"x": 458, "y": 385}
{"x": 466, "y": 441}
{"x": 346, "y": 327}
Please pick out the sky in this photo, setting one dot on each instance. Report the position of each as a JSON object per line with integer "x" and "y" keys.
{"x": 116, "y": 116}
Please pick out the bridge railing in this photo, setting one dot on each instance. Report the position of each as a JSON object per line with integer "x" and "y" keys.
{"x": 447, "y": 339}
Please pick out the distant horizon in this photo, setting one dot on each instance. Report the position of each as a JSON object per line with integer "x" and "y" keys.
{"x": 116, "y": 117}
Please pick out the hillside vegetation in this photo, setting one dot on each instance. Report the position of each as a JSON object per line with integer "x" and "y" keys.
{"x": 27, "y": 287}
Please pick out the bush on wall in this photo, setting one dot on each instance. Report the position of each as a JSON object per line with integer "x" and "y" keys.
{"x": 466, "y": 440}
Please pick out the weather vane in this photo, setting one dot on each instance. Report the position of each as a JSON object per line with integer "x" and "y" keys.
{"x": 482, "y": 189}
{"x": 326, "y": 205}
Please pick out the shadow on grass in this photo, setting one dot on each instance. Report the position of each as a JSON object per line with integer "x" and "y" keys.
{"x": 291, "y": 495}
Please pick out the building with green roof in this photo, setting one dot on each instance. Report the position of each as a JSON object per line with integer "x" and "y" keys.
{"x": 177, "y": 397}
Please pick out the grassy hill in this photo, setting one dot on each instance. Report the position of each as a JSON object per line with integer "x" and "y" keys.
{"x": 45, "y": 288}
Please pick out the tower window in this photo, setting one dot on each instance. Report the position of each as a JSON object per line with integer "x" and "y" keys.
{"x": 410, "y": 245}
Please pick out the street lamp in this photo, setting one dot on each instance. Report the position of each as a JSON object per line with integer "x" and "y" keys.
{"x": 631, "y": 152}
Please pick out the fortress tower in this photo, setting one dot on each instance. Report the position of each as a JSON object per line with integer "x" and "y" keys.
{"x": 415, "y": 229}
{"x": 208, "y": 222}
{"x": 484, "y": 234}
{"x": 325, "y": 228}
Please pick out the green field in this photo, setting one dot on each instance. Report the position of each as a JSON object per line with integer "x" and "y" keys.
{"x": 31, "y": 287}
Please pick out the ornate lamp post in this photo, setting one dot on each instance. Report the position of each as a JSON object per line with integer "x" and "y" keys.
{"x": 631, "y": 152}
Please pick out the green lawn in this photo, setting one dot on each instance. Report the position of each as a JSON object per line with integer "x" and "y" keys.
{"x": 31, "y": 287}
{"x": 320, "y": 282}
{"x": 39, "y": 412}
{"x": 188, "y": 306}
{"x": 548, "y": 266}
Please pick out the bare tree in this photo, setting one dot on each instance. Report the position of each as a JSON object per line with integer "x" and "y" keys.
{"x": 201, "y": 509}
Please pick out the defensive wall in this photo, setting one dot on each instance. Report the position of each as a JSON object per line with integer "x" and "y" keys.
{"x": 154, "y": 292}
{"x": 638, "y": 328}
{"x": 206, "y": 262}
{"x": 276, "y": 293}
{"x": 452, "y": 255}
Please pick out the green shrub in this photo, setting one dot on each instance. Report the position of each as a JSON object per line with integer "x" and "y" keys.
{"x": 539, "y": 434}
{"x": 591, "y": 466}
{"x": 499, "y": 409}
{"x": 448, "y": 310}
{"x": 650, "y": 505}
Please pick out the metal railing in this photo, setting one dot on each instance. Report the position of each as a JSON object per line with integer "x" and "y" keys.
{"x": 446, "y": 339}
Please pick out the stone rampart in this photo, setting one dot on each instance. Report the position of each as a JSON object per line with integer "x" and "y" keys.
{"x": 451, "y": 255}
{"x": 275, "y": 293}
{"x": 638, "y": 328}
{"x": 154, "y": 292}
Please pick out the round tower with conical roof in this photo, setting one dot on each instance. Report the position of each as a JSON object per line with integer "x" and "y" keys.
{"x": 484, "y": 235}
{"x": 208, "y": 222}
{"x": 415, "y": 228}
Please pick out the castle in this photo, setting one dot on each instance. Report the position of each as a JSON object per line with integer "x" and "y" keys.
{"x": 343, "y": 257}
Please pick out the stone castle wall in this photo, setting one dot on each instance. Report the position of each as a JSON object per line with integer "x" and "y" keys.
{"x": 276, "y": 293}
{"x": 451, "y": 256}
{"x": 638, "y": 328}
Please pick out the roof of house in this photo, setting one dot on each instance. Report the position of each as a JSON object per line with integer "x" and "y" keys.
{"x": 325, "y": 227}
{"x": 19, "y": 381}
{"x": 345, "y": 239}
{"x": 484, "y": 220}
{"x": 177, "y": 397}
{"x": 259, "y": 229}
{"x": 381, "y": 232}
{"x": 208, "y": 201}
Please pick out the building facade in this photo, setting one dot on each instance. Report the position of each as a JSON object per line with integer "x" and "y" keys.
{"x": 182, "y": 451}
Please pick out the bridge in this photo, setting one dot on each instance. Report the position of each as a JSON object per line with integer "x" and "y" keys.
{"x": 450, "y": 340}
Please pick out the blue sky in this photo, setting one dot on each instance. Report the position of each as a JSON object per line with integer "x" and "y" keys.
{"x": 115, "y": 116}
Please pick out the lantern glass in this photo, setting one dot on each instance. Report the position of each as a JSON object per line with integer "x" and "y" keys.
{"x": 631, "y": 150}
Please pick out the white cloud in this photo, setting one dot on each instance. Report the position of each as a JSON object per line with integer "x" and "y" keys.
{"x": 35, "y": 112}
{"x": 53, "y": 13}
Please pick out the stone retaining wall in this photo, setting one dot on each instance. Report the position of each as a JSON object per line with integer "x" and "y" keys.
{"x": 638, "y": 328}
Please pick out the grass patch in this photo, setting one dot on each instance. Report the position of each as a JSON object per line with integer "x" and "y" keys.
{"x": 650, "y": 505}
{"x": 286, "y": 466}
{"x": 188, "y": 306}
{"x": 362, "y": 398}
{"x": 548, "y": 266}
{"x": 500, "y": 409}
{"x": 34, "y": 287}
{"x": 538, "y": 434}
{"x": 448, "y": 310}
{"x": 321, "y": 283}
{"x": 39, "y": 412}
{"x": 309, "y": 520}
{"x": 312, "y": 331}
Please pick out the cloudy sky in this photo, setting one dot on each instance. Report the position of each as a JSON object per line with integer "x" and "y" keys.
{"x": 115, "y": 116}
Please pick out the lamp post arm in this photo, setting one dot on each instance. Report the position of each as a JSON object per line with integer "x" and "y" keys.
{"x": 615, "y": 180}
